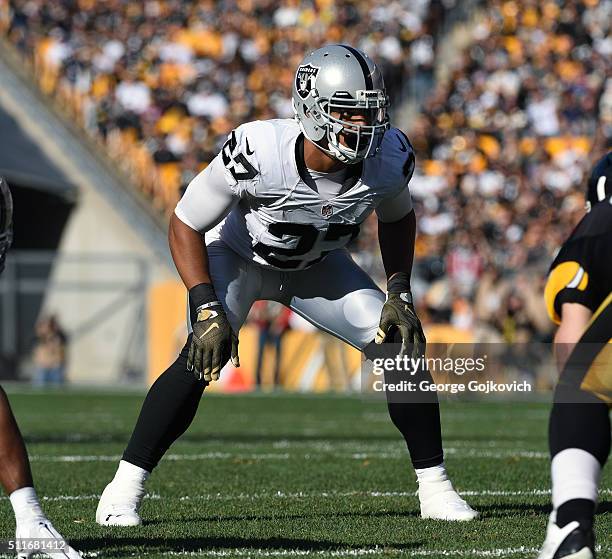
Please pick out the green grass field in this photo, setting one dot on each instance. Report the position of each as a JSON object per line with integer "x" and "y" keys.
{"x": 284, "y": 476}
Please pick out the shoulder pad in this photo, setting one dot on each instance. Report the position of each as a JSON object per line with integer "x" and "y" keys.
{"x": 238, "y": 155}
{"x": 259, "y": 152}
{"x": 392, "y": 167}
{"x": 566, "y": 275}
{"x": 398, "y": 151}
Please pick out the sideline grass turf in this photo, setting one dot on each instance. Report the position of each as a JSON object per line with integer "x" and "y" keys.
{"x": 292, "y": 475}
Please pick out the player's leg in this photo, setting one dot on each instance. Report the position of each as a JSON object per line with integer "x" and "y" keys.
{"x": 14, "y": 464}
{"x": 338, "y": 296}
{"x": 579, "y": 439}
{"x": 172, "y": 402}
{"x": 16, "y": 478}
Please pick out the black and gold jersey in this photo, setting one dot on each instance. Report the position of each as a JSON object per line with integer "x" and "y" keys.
{"x": 588, "y": 369}
{"x": 582, "y": 271}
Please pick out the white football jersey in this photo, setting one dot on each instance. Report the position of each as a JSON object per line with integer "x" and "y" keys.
{"x": 277, "y": 218}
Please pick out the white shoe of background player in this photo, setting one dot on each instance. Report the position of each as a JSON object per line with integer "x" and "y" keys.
{"x": 119, "y": 504}
{"x": 440, "y": 501}
{"x": 121, "y": 498}
{"x": 40, "y": 528}
{"x": 569, "y": 542}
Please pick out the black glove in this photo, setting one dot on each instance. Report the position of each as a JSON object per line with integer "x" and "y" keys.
{"x": 213, "y": 342}
{"x": 398, "y": 312}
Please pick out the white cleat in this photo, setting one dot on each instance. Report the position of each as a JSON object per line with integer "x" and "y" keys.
{"x": 440, "y": 501}
{"x": 39, "y": 532}
{"x": 569, "y": 542}
{"x": 118, "y": 507}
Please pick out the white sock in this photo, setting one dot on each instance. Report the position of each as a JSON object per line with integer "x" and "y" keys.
{"x": 435, "y": 474}
{"x": 575, "y": 475}
{"x": 129, "y": 474}
{"x": 25, "y": 504}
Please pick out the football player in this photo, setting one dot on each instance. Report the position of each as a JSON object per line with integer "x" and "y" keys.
{"x": 15, "y": 473}
{"x": 579, "y": 298}
{"x": 269, "y": 219}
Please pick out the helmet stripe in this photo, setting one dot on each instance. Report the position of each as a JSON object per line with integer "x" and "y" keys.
{"x": 364, "y": 66}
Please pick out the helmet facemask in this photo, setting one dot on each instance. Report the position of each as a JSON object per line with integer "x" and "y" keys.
{"x": 348, "y": 140}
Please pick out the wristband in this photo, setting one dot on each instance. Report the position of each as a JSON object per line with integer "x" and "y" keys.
{"x": 208, "y": 305}
{"x": 201, "y": 294}
{"x": 399, "y": 283}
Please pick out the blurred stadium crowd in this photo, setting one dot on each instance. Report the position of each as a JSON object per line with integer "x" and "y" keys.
{"x": 503, "y": 144}
{"x": 506, "y": 144}
{"x": 162, "y": 82}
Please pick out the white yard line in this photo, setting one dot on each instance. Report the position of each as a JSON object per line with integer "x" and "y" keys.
{"x": 358, "y": 552}
{"x": 506, "y": 453}
{"x": 172, "y": 457}
{"x": 399, "y": 454}
{"x": 317, "y": 443}
{"x": 387, "y": 551}
{"x": 317, "y": 495}
{"x": 346, "y": 552}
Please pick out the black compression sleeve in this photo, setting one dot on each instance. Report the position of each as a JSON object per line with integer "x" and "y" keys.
{"x": 166, "y": 413}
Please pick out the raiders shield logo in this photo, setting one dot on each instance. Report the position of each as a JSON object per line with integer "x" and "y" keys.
{"x": 305, "y": 79}
{"x": 327, "y": 210}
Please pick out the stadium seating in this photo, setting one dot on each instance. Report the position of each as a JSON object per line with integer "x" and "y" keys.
{"x": 503, "y": 144}
{"x": 165, "y": 81}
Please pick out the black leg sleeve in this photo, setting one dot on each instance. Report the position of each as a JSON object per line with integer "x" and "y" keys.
{"x": 583, "y": 425}
{"x": 417, "y": 417}
{"x": 580, "y": 425}
{"x": 166, "y": 413}
{"x": 419, "y": 424}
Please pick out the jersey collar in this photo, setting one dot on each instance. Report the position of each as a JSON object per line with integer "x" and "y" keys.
{"x": 352, "y": 177}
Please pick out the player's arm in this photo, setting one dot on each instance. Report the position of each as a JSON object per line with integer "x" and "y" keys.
{"x": 396, "y": 240}
{"x": 207, "y": 200}
{"x": 396, "y": 219}
{"x": 574, "y": 320}
{"x": 396, "y": 236}
{"x": 188, "y": 252}
{"x": 572, "y": 294}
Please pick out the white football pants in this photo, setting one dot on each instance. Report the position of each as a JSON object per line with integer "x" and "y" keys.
{"x": 335, "y": 294}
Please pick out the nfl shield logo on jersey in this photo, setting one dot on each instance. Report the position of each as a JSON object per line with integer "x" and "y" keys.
{"x": 305, "y": 79}
{"x": 327, "y": 210}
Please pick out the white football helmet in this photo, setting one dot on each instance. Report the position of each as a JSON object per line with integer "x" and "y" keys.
{"x": 333, "y": 81}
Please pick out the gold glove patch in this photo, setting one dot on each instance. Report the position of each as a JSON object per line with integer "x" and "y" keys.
{"x": 205, "y": 314}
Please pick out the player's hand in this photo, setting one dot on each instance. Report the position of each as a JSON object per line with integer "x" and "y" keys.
{"x": 212, "y": 344}
{"x": 398, "y": 312}
{"x": 213, "y": 341}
